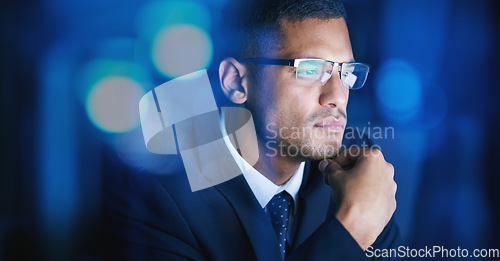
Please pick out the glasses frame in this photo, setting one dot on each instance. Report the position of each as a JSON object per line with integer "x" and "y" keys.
{"x": 295, "y": 63}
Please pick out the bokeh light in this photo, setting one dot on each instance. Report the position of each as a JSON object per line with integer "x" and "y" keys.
{"x": 398, "y": 90}
{"x": 181, "y": 49}
{"x": 98, "y": 69}
{"x": 174, "y": 36}
{"x": 112, "y": 104}
{"x": 158, "y": 15}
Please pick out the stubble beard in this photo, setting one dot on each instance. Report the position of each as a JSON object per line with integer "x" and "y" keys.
{"x": 304, "y": 142}
{"x": 304, "y": 148}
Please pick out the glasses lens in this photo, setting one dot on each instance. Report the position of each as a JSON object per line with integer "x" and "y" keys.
{"x": 353, "y": 75}
{"x": 314, "y": 72}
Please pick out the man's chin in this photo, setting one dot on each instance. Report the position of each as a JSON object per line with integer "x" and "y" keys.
{"x": 320, "y": 152}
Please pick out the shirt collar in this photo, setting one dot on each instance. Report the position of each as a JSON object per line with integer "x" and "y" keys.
{"x": 263, "y": 188}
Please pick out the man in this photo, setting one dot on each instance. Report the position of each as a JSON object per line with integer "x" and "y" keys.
{"x": 292, "y": 68}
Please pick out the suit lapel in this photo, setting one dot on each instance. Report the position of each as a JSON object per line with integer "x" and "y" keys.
{"x": 314, "y": 198}
{"x": 252, "y": 216}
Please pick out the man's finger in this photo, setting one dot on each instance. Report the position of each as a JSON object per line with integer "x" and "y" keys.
{"x": 348, "y": 157}
{"x": 328, "y": 166}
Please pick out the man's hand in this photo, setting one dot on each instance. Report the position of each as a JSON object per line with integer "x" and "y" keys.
{"x": 363, "y": 190}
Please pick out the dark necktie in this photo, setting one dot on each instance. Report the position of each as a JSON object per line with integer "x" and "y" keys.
{"x": 278, "y": 209}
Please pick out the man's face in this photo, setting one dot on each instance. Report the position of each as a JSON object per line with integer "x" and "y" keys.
{"x": 301, "y": 121}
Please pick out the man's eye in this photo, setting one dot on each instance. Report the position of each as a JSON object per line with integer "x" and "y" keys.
{"x": 309, "y": 72}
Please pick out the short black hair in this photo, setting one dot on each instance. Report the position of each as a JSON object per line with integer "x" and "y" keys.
{"x": 251, "y": 26}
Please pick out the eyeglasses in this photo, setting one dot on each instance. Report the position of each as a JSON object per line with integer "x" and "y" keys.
{"x": 316, "y": 72}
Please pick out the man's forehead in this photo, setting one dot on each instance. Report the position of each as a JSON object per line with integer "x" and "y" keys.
{"x": 317, "y": 53}
{"x": 316, "y": 38}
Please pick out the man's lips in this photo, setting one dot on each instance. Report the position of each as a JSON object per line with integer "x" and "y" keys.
{"x": 331, "y": 124}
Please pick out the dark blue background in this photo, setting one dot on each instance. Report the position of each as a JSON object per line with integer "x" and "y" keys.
{"x": 434, "y": 80}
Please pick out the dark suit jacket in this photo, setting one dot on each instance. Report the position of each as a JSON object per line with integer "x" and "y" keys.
{"x": 157, "y": 217}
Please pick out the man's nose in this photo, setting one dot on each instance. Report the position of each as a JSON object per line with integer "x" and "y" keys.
{"x": 333, "y": 94}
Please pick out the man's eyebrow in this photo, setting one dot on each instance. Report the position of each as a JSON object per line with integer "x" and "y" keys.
{"x": 293, "y": 55}
{"x": 321, "y": 58}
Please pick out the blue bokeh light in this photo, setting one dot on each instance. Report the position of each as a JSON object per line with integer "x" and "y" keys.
{"x": 96, "y": 70}
{"x": 111, "y": 104}
{"x": 181, "y": 49}
{"x": 398, "y": 90}
{"x": 109, "y": 89}
{"x": 158, "y": 15}
{"x": 175, "y": 36}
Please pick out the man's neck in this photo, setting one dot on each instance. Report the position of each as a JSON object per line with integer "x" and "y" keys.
{"x": 277, "y": 168}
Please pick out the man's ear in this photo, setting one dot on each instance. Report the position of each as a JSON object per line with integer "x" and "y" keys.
{"x": 234, "y": 80}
